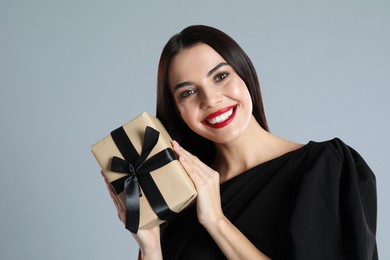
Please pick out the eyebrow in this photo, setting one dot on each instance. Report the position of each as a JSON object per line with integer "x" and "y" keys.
{"x": 188, "y": 83}
{"x": 183, "y": 84}
{"x": 216, "y": 68}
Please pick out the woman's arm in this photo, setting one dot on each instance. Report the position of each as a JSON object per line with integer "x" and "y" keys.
{"x": 148, "y": 239}
{"x": 230, "y": 240}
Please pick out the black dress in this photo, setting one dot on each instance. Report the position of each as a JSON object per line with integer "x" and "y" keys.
{"x": 317, "y": 202}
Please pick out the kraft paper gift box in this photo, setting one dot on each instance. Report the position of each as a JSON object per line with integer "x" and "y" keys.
{"x": 138, "y": 161}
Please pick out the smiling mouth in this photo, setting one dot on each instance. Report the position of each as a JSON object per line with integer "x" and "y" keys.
{"x": 220, "y": 118}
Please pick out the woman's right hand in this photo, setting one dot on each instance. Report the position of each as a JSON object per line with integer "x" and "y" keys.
{"x": 148, "y": 239}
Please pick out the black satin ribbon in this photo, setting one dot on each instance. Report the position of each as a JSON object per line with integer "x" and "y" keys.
{"x": 138, "y": 175}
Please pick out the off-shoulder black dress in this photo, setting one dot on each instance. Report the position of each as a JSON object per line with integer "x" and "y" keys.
{"x": 317, "y": 202}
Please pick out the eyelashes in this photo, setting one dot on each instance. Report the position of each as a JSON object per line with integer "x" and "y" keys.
{"x": 186, "y": 93}
{"x": 221, "y": 76}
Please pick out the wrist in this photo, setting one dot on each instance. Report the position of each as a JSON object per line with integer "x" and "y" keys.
{"x": 217, "y": 225}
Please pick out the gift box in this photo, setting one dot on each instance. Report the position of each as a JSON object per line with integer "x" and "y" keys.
{"x": 138, "y": 161}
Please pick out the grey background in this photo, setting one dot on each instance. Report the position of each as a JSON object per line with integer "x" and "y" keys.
{"x": 71, "y": 71}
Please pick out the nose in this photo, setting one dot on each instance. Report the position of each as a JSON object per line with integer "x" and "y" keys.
{"x": 210, "y": 97}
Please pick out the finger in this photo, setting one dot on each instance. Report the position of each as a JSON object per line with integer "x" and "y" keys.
{"x": 201, "y": 175}
{"x": 110, "y": 189}
{"x": 119, "y": 205}
{"x": 201, "y": 179}
{"x": 108, "y": 184}
{"x": 193, "y": 163}
{"x": 190, "y": 158}
{"x": 117, "y": 202}
{"x": 181, "y": 151}
{"x": 188, "y": 167}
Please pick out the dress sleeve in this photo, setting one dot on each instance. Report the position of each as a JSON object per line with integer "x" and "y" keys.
{"x": 334, "y": 214}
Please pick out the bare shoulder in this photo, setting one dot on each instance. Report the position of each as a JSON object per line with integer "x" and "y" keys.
{"x": 286, "y": 146}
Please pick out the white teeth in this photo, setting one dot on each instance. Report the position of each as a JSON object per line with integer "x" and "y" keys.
{"x": 220, "y": 118}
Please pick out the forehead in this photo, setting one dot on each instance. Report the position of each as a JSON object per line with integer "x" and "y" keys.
{"x": 200, "y": 58}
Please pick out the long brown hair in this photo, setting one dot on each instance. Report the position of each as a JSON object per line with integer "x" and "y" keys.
{"x": 233, "y": 54}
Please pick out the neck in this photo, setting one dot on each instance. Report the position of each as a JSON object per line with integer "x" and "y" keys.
{"x": 253, "y": 147}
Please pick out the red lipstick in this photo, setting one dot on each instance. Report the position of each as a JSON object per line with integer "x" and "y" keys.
{"x": 212, "y": 116}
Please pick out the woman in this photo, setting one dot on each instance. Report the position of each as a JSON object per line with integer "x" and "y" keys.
{"x": 259, "y": 196}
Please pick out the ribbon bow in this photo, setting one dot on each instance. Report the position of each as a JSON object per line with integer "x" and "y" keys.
{"x": 138, "y": 175}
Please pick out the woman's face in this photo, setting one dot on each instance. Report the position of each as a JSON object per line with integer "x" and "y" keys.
{"x": 210, "y": 97}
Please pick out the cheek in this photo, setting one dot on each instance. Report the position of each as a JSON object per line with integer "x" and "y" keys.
{"x": 184, "y": 113}
{"x": 248, "y": 98}
{"x": 189, "y": 116}
{"x": 239, "y": 89}
{"x": 239, "y": 92}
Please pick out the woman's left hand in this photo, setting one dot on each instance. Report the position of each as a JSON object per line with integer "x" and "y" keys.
{"x": 230, "y": 240}
{"x": 206, "y": 182}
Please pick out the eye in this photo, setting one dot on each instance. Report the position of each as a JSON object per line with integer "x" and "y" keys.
{"x": 186, "y": 93}
{"x": 221, "y": 76}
